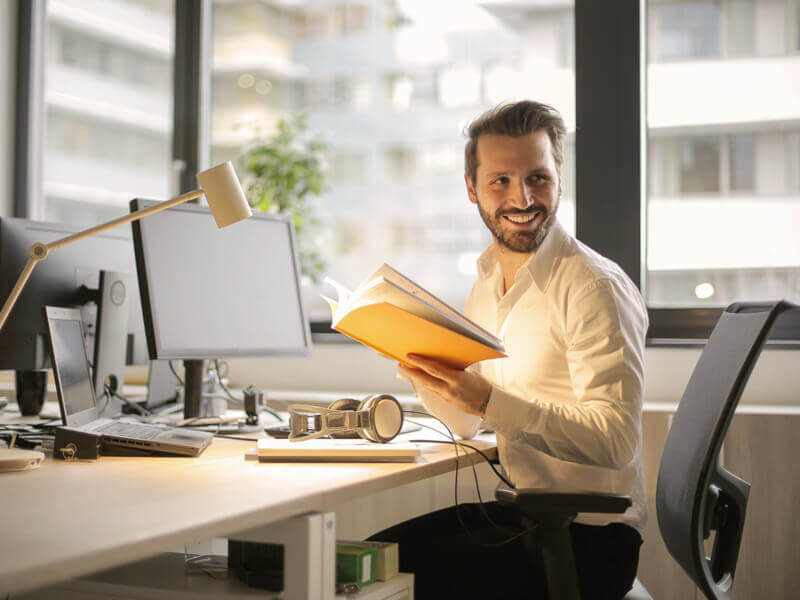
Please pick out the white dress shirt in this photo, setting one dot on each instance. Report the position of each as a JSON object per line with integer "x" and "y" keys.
{"x": 566, "y": 403}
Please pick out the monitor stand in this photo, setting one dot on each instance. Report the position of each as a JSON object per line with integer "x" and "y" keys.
{"x": 193, "y": 388}
{"x": 111, "y": 336}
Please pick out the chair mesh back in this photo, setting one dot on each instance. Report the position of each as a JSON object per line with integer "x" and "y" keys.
{"x": 689, "y": 464}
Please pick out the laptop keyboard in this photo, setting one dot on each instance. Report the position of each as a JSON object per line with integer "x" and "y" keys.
{"x": 134, "y": 430}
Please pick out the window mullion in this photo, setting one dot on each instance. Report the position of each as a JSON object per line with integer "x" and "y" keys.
{"x": 192, "y": 82}
{"x": 29, "y": 134}
{"x": 609, "y": 130}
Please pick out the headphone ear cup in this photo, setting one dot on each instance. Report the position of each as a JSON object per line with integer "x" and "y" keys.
{"x": 385, "y": 418}
{"x": 364, "y": 405}
{"x": 345, "y": 404}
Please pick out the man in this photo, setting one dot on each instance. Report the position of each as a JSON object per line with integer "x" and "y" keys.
{"x": 565, "y": 404}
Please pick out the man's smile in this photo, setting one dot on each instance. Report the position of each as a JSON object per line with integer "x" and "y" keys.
{"x": 522, "y": 218}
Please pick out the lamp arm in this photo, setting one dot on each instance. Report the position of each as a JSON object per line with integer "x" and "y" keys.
{"x": 40, "y": 251}
{"x": 125, "y": 219}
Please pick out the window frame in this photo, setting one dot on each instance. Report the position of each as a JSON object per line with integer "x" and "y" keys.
{"x": 610, "y": 140}
{"x": 611, "y": 154}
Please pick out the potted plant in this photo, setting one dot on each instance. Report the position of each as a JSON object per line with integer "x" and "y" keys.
{"x": 284, "y": 173}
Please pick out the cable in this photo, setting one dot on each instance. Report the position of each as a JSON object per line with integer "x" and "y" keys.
{"x": 459, "y": 516}
{"x": 452, "y": 440}
{"x": 225, "y": 387}
{"x": 456, "y": 445}
{"x": 139, "y": 409}
{"x": 471, "y": 447}
{"x": 106, "y": 397}
{"x": 235, "y": 437}
{"x": 237, "y": 400}
{"x": 174, "y": 372}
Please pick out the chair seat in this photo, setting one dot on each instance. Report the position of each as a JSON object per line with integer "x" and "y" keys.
{"x": 638, "y": 592}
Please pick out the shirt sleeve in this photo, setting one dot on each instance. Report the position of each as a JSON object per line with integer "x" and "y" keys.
{"x": 605, "y": 329}
{"x": 462, "y": 424}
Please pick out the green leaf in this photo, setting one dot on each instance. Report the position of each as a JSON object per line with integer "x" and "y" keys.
{"x": 285, "y": 173}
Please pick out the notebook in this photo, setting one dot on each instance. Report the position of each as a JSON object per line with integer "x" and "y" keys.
{"x": 78, "y": 403}
{"x": 327, "y": 450}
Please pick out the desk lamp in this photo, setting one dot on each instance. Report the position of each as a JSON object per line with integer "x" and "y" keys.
{"x": 225, "y": 199}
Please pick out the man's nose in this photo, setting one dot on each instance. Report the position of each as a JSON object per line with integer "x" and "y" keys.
{"x": 521, "y": 196}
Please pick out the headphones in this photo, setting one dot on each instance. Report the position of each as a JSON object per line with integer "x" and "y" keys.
{"x": 377, "y": 418}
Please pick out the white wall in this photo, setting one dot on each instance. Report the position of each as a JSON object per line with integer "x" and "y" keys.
{"x": 8, "y": 75}
{"x": 354, "y": 369}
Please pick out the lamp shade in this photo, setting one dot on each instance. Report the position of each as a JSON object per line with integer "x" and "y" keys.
{"x": 224, "y": 194}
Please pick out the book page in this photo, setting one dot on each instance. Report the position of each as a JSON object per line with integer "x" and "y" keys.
{"x": 333, "y": 304}
{"x": 404, "y": 282}
{"x": 396, "y": 333}
{"x": 383, "y": 290}
{"x": 342, "y": 293}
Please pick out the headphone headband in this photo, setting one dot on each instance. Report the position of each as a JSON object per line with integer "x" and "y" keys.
{"x": 377, "y": 418}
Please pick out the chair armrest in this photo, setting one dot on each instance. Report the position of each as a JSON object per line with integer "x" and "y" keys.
{"x": 539, "y": 501}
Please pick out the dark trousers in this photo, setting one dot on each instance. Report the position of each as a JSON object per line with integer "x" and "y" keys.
{"x": 449, "y": 562}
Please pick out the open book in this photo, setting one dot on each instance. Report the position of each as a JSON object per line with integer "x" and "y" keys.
{"x": 391, "y": 314}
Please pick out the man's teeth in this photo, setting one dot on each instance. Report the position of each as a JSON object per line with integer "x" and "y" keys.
{"x": 521, "y": 218}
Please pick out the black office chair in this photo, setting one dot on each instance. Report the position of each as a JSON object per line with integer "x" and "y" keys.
{"x": 695, "y": 495}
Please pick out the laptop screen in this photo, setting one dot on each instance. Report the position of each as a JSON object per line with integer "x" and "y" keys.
{"x": 69, "y": 359}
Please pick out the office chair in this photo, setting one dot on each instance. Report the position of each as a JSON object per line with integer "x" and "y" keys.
{"x": 695, "y": 495}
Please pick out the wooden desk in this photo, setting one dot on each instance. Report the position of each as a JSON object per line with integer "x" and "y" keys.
{"x": 68, "y": 519}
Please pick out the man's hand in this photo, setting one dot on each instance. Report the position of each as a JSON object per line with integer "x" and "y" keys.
{"x": 465, "y": 390}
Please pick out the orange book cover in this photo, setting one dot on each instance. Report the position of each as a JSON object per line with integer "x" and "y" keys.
{"x": 396, "y": 317}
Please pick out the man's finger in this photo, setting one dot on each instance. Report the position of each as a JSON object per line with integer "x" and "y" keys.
{"x": 424, "y": 379}
{"x": 432, "y": 366}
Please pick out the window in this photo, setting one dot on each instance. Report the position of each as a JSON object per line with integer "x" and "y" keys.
{"x": 682, "y": 30}
{"x": 108, "y": 106}
{"x": 742, "y": 162}
{"x": 723, "y": 204}
{"x": 390, "y": 85}
{"x": 699, "y": 164}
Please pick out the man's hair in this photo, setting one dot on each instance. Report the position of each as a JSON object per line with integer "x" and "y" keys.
{"x": 515, "y": 120}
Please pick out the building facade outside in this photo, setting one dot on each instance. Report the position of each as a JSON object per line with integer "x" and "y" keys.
{"x": 390, "y": 86}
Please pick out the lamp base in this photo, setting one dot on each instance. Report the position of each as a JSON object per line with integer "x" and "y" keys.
{"x": 14, "y": 459}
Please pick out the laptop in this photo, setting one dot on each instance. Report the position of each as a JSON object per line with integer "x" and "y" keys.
{"x": 78, "y": 403}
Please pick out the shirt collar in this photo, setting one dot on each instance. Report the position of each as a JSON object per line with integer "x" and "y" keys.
{"x": 487, "y": 262}
{"x": 540, "y": 265}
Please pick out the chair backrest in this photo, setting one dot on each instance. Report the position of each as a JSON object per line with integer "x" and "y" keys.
{"x": 695, "y": 494}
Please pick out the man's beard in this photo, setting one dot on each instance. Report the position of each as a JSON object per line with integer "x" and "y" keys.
{"x": 519, "y": 241}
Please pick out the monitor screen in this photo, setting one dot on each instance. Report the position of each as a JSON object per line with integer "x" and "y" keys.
{"x": 213, "y": 293}
{"x": 57, "y": 281}
{"x": 71, "y": 366}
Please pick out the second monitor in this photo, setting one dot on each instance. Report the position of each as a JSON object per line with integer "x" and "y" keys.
{"x": 211, "y": 293}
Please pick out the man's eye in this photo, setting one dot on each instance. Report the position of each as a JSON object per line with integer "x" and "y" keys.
{"x": 537, "y": 179}
{"x": 501, "y": 180}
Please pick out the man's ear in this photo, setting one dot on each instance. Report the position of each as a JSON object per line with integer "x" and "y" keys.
{"x": 470, "y": 190}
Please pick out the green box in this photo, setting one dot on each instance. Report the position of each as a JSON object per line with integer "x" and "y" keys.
{"x": 387, "y": 557}
{"x": 355, "y": 564}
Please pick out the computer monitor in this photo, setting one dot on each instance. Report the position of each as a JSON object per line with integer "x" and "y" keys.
{"x": 210, "y": 293}
{"x": 70, "y": 276}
